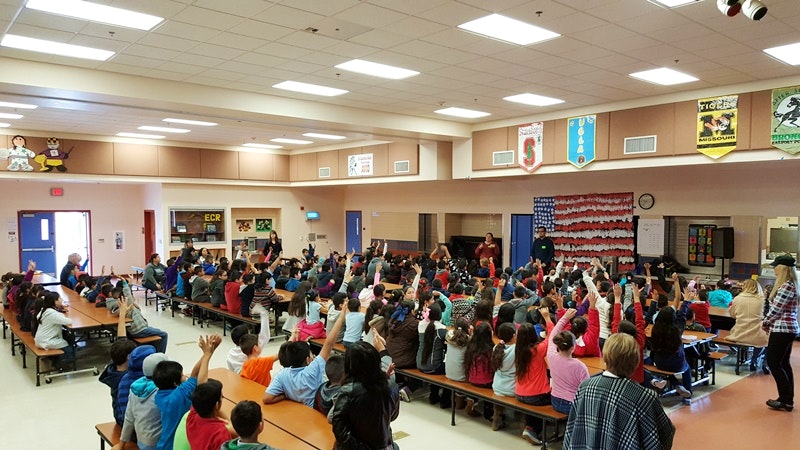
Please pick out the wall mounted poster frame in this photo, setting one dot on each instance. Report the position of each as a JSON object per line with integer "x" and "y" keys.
{"x": 701, "y": 238}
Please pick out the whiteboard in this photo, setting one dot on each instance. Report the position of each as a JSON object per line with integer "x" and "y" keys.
{"x": 650, "y": 237}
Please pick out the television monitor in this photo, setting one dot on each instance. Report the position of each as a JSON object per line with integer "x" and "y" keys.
{"x": 312, "y": 215}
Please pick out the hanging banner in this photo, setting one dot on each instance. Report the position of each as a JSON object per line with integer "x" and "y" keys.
{"x": 785, "y": 115}
{"x": 716, "y": 125}
{"x": 529, "y": 146}
{"x": 580, "y": 140}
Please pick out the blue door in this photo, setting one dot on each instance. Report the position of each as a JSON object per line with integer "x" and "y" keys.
{"x": 37, "y": 240}
{"x": 353, "y": 231}
{"x": 521, "y": 239}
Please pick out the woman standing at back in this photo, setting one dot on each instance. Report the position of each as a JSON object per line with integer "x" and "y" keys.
{"x": 781, "y": 323}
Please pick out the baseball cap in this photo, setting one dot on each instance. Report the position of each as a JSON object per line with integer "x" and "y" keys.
{"x": 784, "y": 260}
{"x": 150, "y": 362}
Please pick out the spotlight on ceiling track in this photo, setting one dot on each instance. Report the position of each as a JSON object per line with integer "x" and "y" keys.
{"x": 729, "y": 7}
{"x": 754, "y": 9}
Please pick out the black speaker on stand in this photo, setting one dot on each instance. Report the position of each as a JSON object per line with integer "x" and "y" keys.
{"x": 722, "y": 245}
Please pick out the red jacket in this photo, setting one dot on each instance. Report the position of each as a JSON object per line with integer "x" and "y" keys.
{"x": 638, "y": 374}
{"x": 233, "y": 302}
{"x": 591, "y": 339}
{"x": 701, "y": 313}
{"x": 483, "y": 250}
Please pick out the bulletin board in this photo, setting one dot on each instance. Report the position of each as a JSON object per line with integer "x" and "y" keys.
{"x": 701, "y": 238}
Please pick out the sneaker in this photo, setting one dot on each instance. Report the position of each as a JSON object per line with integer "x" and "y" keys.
{"x": 659, "y": 384}
{"x": 683, "y": 391}
{"x": 687, "y": 401}
{"x": 779, "y": 405}
{"x": 529, "y": 435}
{"x": 470, "y": 408}
{"x": 446, "y": 403}
{"x": 405, "y": 394}
{"x": 461, "y": 401}
{"x": 433, "y": 399}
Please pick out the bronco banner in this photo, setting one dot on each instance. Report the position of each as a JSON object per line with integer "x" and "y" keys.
{"x": 785, "y": 114}
{"x": 580, "y": 140}
{"x": 716, "y": 125}
{"x": 529, "y": 146}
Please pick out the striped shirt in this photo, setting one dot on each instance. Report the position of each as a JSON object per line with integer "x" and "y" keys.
{"x": 782, "y": 314}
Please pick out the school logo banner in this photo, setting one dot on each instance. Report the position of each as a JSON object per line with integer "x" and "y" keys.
{"x": 716, "y": 125}
{"x": 785, "y": 114}
{"x": 529, "y": 146}
{"x": 580, "y": 140}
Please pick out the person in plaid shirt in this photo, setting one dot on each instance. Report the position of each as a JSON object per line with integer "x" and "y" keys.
{"x": 635, "y": 418}
{"x": 781, "y": 324}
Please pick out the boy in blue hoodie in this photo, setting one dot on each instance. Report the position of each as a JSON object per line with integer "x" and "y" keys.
{"x": 142, "y": 418}
{"x": 134, "y": 372}
{"x": 114, "y": 371}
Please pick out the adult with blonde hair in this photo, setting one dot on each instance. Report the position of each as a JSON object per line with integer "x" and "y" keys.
{"x": 636, "y": 419}
{"x": 747, "y": 310}
{"x": 781, "y": 323}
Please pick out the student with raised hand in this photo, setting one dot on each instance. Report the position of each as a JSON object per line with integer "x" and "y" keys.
{"x": 667, "y": 346}
{"x": 637, "y": 331}
{"x": 303, "y": 374}
{"x": 256, "y": 367}
{"x": 430, "y": 354}
{"x": 567, "y": 373}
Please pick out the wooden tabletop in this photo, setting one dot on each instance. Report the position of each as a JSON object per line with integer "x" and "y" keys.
{"x": 595, "y": 362}
{"x": 271, "y": 434}
{"x": 44, "y": 279}
{"x": 392, "y": 286}
{"x": 689, "y": 336}
{"x": 297, "y": 419}
{"x": 102, "y": 316}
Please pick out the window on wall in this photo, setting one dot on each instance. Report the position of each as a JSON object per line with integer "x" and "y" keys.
{"x": 197, "y": 225}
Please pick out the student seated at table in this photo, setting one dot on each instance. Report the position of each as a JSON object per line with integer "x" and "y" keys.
{"x": 701, "y": 308}
{"x": 114, "y": 372}
{"x": 504, "y": 382}
{"x": 207, "y": 427}
{"x": 233, "y": 302}
{"x": 567, "y": 372}
{"x": 637, "y": 419}
{"x": 667, "y": 346}
{"x": 354, "y": 322}
{"x": 182, "y": 288}
{"x": 721, "y": 297}
{"x": 303, "y": 373}
{"x": 139, "y": 326}
{"x": 142, "y": 419}
{"x": 256, "y": 367}
{"x": 326, "y": 394}
{"x": 311, "y": 325}
{"x": 50, "y": 332}
{"x": 248, "y": 422}
{"x": 236, "y": 357}
{"x": 174, "y": 396}
{"x": 200, "y": 287}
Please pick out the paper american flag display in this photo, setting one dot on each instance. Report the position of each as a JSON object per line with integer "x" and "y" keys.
{"x": 589, "y": 226}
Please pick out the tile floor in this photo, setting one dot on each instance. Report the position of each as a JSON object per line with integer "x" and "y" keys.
{"x": 63, "y": 414}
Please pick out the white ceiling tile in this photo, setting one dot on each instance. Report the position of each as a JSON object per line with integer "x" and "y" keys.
{"x": 465, "y": 75}
{"x": 237, "y": 41}
{"x": 242, "y": 68}
{"x": 370, "y": 15}
{"x": 186, "y": 31}
{"x": 619, "y": 11}
{"x": 301, "y": 67}
{"x": 500, "y": 68}
{"x": 260, "y": 59}
{"x": 198, "y": 60}
{"x": 282, "y": 50}
{"x": 262, "y": 30}
{"x": 627, "y": 45}
{"x": 308, "y": 40}
{"x": 613, "y": 60}
{"x": 8, "y": 12}
{"x": 409, "y": 6}
{"x": 179, "y": 67}
{"x": 321, "y": 58}
{"x": 607, "y": 32}
{"x": 380, "y": 39}
{"x": 216, "y": 51}
{"x": 421, "y": 49}
{"x": 289, "y": 17}
{"x": 96, "y": 42}
{"x": 222, "y": 74}
{"x": 455, "y": 14}
{"x": 453, "y": 56}
{"x": 328, "y": 8}
{"x": 137, "y": 61}
{"x": 160, "y": 8}
{"x": 241, "y": 8}
{"x": 207, "y": 18}
{"x": 566, "y": 25}
{"x": 168, "y": 42}
{"x": 415, "y": 27}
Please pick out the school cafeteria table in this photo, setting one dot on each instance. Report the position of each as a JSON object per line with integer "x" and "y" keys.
{"x": 271, "y": 434}
{"x": 44, "y": 279}
{"x": 721, "y": 318}
{"x": 297, "y": 419}
{"x": 75, "y": 302}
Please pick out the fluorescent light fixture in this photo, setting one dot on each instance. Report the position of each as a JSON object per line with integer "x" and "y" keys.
{"x": 508, "y": 30}
{"x": 10, "y": 116}
{"x": 674, "y": 3}
{"x": 663, "y": 76}
{"x": 533, "y": 99}
{"x": 324, "y": 136}
{"x": 140, "y": 136}
{"x": 199, "y": 123}
{"x": 5, "y": 125}
{"x": 164, "y": 129}
{"x": 461, "y": 112}
{"x": 376, "y": 69}
{"x": 790, "y": 53}
{"x": 17, "y": 105}
{"x": 256, "y": 145}
{"x": 291, "y": 141}
{"x": 97, "y": 13}
{"x": 307, "y": 88}
{"x": 55, "y": 48}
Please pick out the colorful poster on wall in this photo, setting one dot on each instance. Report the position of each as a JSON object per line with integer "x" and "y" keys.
{"x": 581, "y": 140}
{"x": 244, "y": 225}
{"x": 359, "y": 165}
{"x": 700, "y": 239}
{"x": 263, "y": 225}
{"x": 785, "y": 115}
{"x": 529, "y": 146}
{"x": 716, "y": 125}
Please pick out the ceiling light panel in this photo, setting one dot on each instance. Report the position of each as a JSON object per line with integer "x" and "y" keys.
{"x": 533, "y": 99}
{"x": 17, "y": 105}
{"x": 376, "y": 69}
{"x": 461, "y": 112}
{"x": 313, "y": 89}
{"x": 291, "y": 141}
{"x": 97, "y": 13}
{"x": 141, "y": 135}
{"x": 55, "y": 48}
{"x": 509, "y": 30}
{"x": 10, "y": 116}
{"x": 789, "y": 54}
{"x": 5, "y": 125}
{"x": 264, "y": 146}
{"x": 674, "y": 3}
{"x": 199, "y": 123}
{"x": 164, "y": 129}
{"x": 663, "y": 76}
{"x": 324, "y": 136}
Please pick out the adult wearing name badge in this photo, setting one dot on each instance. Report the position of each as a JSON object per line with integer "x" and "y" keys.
{"x": 543, "y": 248}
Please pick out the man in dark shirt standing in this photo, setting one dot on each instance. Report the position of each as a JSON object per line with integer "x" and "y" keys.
{"x": 543, "y": 248}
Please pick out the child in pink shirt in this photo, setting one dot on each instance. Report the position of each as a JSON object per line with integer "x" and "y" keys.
{"x": 566, "y": 372}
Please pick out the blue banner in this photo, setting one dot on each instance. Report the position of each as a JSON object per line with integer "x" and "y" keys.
{"x": 580, "y": 140}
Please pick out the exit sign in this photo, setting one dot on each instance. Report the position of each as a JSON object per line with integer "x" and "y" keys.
{"x": 56, "y": 192}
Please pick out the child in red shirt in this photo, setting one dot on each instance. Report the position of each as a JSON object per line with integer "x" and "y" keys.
{"x": 207, "y": 428}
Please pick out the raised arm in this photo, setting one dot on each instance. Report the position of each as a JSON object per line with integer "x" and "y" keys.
{"x": 331, "y": 338}
{"x": 562, "y": 322}
{"x": 617, "y": 308}
{"x": 275, "y": 263}
{"x": 415, "y": 283}
{"x": 498, "y": 295}
{"x": 264, "y": 333}
{"x": 207, "y": 344}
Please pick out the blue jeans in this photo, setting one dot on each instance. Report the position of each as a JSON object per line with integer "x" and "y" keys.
{"x": 145, "y": 447}
{"x": 161, "y": 346}
{"x": 561, "y": 405}
{"x": 536, "y": 400}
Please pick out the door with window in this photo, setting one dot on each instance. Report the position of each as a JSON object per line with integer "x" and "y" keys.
{"x": 521, "y": 239}
{"x": 353, "y": 230}
{"x": 37, "y": 240}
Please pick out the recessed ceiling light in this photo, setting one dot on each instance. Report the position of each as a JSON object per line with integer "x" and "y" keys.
{"x": 190, "y": 122}
{"x": 291, "y": 141}
{"x": 256, "y": 145}
{"x": 674, "y": 3}
{"x": 533, "y": 99}
{"x": 164, "y": 129}
{"x": 97, "y": 13}
{"x": 5, "y": 125}
{"x": 140, "y": 136}
{"x": 324, "y": 136}
{"x": 508, "y": 30}
{"x": 663, "y": 76}
{"x": 790, "y": 53}
{"x": 376, "y": 69}
{"x": 307, "y": 88}
{"x": 17, "y": 105}
{"x": 55, "y": 48}
{"x": 10, "y": 116}
{"x": 461, "y": 112}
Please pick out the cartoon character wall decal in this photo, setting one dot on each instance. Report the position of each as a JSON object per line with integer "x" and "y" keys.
{"x": 18, "y": 155}
{"x": 52, "y": 157}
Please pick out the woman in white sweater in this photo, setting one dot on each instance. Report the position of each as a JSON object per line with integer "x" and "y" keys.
{"x": 50, "y": 332}
{"x": 747, "y": 310}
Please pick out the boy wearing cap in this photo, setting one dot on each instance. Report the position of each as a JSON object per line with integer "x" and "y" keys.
{"x": 141, "y": 414}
